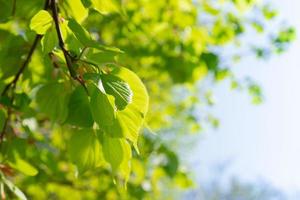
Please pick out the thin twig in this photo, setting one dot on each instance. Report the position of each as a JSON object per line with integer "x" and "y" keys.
{"x": 14, "y": 6}
{"x": 60, "y": 39}
{"x": 67, "y": 56}
{"x": 3, "y": 130}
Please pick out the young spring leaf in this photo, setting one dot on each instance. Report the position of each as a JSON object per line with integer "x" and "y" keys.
{"x": 79, "y": 109}
{"x": 49, "y": 41}
{"x": 116, "y": 129}
{"x": 86, "y": 40}
{"x": 119, "y": 89}
{"x": 85, "y": 150}
{"x": 76, "y": 10}
{"x": 52, "y": 99}
{"x": 102, "y": 111}
{"x": 125, "y": 167}
{"x": 23, "y": 166}
{"x": 81, "y": 34}
{"x": 41, "y": 22}
{"x": 16, "y": 151}
{"x": 102, "y": 57}
{"x": 132, "y": 117}
{"x": 107, "y": 7}
{"x": 115, "y": 151}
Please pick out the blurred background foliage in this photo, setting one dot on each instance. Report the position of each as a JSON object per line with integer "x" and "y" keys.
{"x": 179, "y": 48}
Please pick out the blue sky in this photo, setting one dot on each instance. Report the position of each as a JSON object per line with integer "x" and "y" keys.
{"x": 261, "y": 141}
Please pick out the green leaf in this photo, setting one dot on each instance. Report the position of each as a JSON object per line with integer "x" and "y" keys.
{"x": 140, "y": 99}
{"x": 107, "y": 6}
{"x": 102, "y": 110}
{"x": 85, "y": 39}
{"x": 86, "y": 3}
{"x": 102, "y": 57}
{"x": 23, "y": 166}
{"x": 85, "y": 150}
{"x": 77, "y": 10}
{"x": 14, "y": 189}
{"x": 49, "y": 41}
{"x": 81, "y": 34}
{"x": 41, "y": 22}
{"x": 16, "y": 150}
{"x": 125, "y": 167}
{"x": 116, "y": 151}
{"x": 116, "y": 129}
{"x": 132, "y": 117}
{"x": 118, "y": 88}
{"x": 52, "y": 99}
{"x": 79, "y": 109}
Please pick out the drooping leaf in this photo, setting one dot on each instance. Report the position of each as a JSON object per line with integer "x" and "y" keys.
{"x": 85, "y": 39}
{"x": 102, "y": 110}
{"x": 49, "y": 41}
{"x": 85, "y": 150}
{"x": 79, "y": 109}
{"x": 118, "y": 88}
{"x": 16, "y": 152}
{"x": 23, "y": 166}
{"x": 116, "y": 151}
{"x": 116, "y": 129}
{"x": 125, "y": 167}
{"x": 41, "y": 22}
{"x": 106, "y": 7}
{"x": 102, "y": 57}
{"x": 52, "y": 99}
{"x": 132, "y": 117}
{"x": 140, "y": 99}
{"x": 77, "y": 10}
{"x": 82, "y": 35}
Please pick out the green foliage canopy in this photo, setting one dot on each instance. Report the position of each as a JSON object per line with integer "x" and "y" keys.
{"x": 75, "y": 83}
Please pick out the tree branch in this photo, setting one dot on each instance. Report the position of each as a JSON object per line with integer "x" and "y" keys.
{"x": 60, "y": 39}
{"x": 19, "y": 73}
{"x": 27, "y": 60}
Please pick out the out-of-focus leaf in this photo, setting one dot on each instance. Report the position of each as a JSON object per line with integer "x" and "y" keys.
{"x": 79, "y": 113}
{"x": 85, "y": 149}
{"x": 85, "y": 39}
{"x": 23, "y": 166}
{"x": 14, "y": 189}
{"x": 41, "y": 22}
{"x": 77, "y": 10}
{"x": 107, "y": 7}
{"x": 52, "y": 99}
{"x": 116, "y": 151}
{"x": 102, "y": 110}
{"x": 49, "y": 41}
